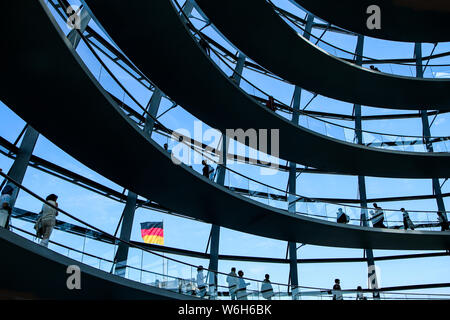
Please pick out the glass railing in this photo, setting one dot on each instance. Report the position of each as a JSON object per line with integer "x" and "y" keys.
{"x": 234, "y": 180}
{"x": 305, "y": 206}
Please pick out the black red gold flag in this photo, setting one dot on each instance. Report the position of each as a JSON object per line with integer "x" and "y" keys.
{"x": 152, "y": 232}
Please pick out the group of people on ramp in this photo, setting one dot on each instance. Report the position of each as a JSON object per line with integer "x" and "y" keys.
{"x": 237, "y": 286}
{"x": 377, "y": 217}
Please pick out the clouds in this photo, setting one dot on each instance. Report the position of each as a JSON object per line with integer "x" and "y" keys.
{"x": 443, "y": 75}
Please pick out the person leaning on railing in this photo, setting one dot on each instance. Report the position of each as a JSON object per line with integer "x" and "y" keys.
{"x": 201, "y": 285}
{"x": 232, "y": 280}
{"x": 270, "y": 103}
{"x": 266, "y": 288}
{"x": 5, "y": 205}
{"x": 360, "y": 294}
{"x": 342, "y": 217}
{"x": 205, "y": 46}
{"x": 337, "y": 294}
{"x": 407, "y": 223}
{"x": 241, "y": 292}
{"x": 48, "y": 218}
{"x": 208, "y": 170}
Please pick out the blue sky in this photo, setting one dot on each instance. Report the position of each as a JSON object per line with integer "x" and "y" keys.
{"x": 192, "y": 235}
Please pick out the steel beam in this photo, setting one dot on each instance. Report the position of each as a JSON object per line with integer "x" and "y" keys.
{"x": 427, "y": 131}
{"x": 20, "y": 165}
{"x": 153, "y": 107}
{"x": 74, "y": 36}
{"x": 215, "y": 229}
{"x": 293, "y": 175}
{"x": 221, "y": 172}
{"x": 371, "y": 274}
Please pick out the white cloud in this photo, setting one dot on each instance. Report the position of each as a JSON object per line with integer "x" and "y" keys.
{"x": 442, "y": 74}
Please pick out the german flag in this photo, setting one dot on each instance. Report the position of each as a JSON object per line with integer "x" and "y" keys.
{"x": 152, "y": 232}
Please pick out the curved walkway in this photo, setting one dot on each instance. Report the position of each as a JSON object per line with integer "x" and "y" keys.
{"x": 48, "y": 276}
{"x": 401, "y": 20}
{"x": 255, "y": 28}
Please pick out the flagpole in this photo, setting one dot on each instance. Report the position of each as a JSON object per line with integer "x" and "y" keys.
{"x": 163, "y": 256}
{"x": 163, "y": 267}
{"x": 163, "y": 253}
{"x": 142, "y": 263}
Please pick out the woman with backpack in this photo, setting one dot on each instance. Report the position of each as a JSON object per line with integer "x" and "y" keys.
{"x": 48, "y": 218}
{"x": 342, "y": 217}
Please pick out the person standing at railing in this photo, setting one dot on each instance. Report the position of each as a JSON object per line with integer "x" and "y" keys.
{"x": 360, "y": 294}
{"x": 443, "y": 222}
{"x": 241, "y": 292}
{"x": 337, "y": 294}
{"x": 205, "y": 46}
{"x": 166, "y": 147}
{"x": 208, "y": 170}
{"x": 201, "y": 285}
{"x": 342, "y": 217}
{"x": 48, "y": 218}
{"x": 266, "y": 288}
{"x": 270, "y": 103}
{"x": 232, "y": 280}
{"x": 377, "y": 217}
{"x": 407, "y": 223}
{"x": 5, "y": 205}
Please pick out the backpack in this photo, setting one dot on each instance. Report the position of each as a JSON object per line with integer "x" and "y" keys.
{"x": 347, "y": 218}
{"x": 38, "y": 227}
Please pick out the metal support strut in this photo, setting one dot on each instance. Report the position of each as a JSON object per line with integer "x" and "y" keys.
{"x": 371, "y": 274}
{"x": 427, "y": 132}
